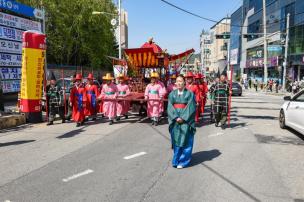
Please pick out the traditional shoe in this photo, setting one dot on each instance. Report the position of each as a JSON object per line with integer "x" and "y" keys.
{"x": 94, "y": 119}
{"x": 179, "y": 167}
{"x": 111, "y": 122}
{"x": 156, "y": 123}
{"x": 63, "y": 121}
{"x": 50, "y": 123}
{"x": 152, "y": 123}
{"x": 216, "y": 124}
{"x": 78, "y": 124}
{"x": 118, "y": 119}
{"x": 126, "y": 117}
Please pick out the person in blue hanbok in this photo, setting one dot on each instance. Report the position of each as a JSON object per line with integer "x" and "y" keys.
{"x": 181, "y": 116}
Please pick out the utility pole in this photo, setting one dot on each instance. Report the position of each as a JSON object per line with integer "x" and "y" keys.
{"x": 265, "y": 43}
{"x": 119, "y": 29}
{"x": 286, "y": 51}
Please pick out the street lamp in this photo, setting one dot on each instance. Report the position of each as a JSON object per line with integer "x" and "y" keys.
{"x": 105, "y": 13}
{"x": 119, "y": 24}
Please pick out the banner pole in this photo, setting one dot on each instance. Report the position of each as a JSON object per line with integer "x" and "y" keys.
{"x": 230, "y": 95}
{"x": 64, "y": 91}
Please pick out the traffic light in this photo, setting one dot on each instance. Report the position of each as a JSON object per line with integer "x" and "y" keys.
{"x": 223, "y": 36}
{"x": 251, "y": 36}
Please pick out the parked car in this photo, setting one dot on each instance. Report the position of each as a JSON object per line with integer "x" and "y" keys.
{"x": 292, "y": 112}
{"x": 236, "y": 89}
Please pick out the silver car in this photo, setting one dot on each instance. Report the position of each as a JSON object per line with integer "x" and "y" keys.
{"x": 292, "y": 112}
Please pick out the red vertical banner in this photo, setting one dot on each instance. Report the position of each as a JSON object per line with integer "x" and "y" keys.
{"x": 33, "y": 61}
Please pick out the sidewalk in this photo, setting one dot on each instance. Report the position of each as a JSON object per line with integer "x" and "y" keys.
{"x": 10, "y": 117}
{"x": 280, "y": 93}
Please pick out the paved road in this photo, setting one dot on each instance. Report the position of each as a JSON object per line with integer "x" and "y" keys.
{"x": 254, "y": 160}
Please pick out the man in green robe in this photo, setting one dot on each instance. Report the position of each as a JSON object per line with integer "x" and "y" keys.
{"x": 181, "y": 116}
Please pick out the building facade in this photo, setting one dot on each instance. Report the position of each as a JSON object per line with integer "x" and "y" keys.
{"x": 252, "y": 57}
{"x": 124, "y": 32}
{"x": 124, "y": 29}
{"x": 219, "y": 47}
{"x": 236, "y": 40}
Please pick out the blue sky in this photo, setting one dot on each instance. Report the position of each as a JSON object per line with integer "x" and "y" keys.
{"x": 172, "y": 29}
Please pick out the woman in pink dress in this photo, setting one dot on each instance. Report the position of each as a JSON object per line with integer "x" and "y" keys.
{"x": 109, "y": 91}
{"x": 154, "y": 93}
{"x": 123, "y": 92}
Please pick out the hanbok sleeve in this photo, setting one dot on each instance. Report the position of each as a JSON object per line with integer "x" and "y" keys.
{"x": 147, "y": 91}
{"x": 115, "y": 90}
{"x": 71, "y": 98}
{"x": 96, "y": 91}
{"x": 172, "y": 113}
{"x": 163, "y": 91}
{"x": 84, "y": 95}
{"x": 188, "y": 114}
{"x": 102, "y": 93}
{"x": 127, "y": 91}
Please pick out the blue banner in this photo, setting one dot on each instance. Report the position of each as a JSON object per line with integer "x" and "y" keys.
{"x": 20, "y": 8}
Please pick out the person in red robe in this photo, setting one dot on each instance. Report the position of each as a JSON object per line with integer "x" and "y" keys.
{"x": 77, "y": 101}
{"x": 199, "y": 79}
{"x": 92, "y": 94}
{"x": 191, "y": 86}
{"x": 205, "y": 92}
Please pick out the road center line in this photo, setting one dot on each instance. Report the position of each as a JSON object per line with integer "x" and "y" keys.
{"x": 86, "y": 172}
{"x": 134, "y": 155}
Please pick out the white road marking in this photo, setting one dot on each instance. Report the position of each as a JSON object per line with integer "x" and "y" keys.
{"x": 246, "y": 128}
{"x": 134, "y": 155}
{"x": 217, "y": 134}
{"x": 86, "y": 172}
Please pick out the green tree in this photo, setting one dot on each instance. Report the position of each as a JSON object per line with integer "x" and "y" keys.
{"x": 74, "y": 35}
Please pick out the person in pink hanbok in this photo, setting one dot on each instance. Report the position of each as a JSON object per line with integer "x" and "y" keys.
{"x": 123, "y": 91}
{"x": 155, "y": 92}
{"x": 163, "y": 92}
{"x": 172, "y": 86}
{"x": 109, "y": 91}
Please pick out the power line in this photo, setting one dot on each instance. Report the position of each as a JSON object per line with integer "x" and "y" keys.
{"x": 198, "y": 16}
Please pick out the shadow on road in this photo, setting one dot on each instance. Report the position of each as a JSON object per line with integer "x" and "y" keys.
{"x": 238, "y": 125}
{"x": 270, "y": 139}
{"x": 237, "y": 101}
{"x": 16, "y": 143}
{"x": 261, "y": 108}
{"x": 71, "y": 133}
{"x": 202, "y": 156}
{"x": 258, "y": 117}
{"x": 247, "y": 193}
{"x": 15, "y": 129}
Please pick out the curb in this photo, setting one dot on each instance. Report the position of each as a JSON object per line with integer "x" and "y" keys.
{"x": 12, "y": 121}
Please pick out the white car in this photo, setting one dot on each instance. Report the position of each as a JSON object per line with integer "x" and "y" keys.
{"x": 292, "y": 112}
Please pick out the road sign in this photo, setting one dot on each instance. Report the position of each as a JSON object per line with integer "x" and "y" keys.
{"x": 10, "y": 60}
{"x": 10, "y": 34}
{"x": 113, "y": 22}
{"x": 18, "y": 22}
{"x": 20, "y": 8}
{"x": 10, "y": 46}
